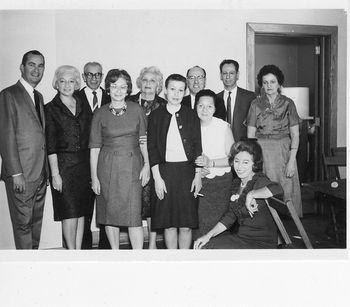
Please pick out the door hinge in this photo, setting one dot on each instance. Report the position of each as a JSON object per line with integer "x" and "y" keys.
{"x": 317, "y": 50}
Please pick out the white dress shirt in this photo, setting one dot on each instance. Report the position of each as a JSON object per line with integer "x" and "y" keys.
{"x": 28, "y": 88}
{"x": 90, "y": 96}
{"x": 233, "y": 99}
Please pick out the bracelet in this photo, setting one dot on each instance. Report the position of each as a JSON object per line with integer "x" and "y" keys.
{"x": 293, "y": 148}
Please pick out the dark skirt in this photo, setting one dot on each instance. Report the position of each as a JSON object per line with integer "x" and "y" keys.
{"x": 77, "y": 197}
{"x": 227, "y": 240}
{"x": 179, "y": 207}
{"x": 214, "y": 203}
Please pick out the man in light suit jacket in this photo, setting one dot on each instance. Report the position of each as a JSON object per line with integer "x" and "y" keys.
{"x": 240, "y": 99}
{"x": 23, "y": 151}
{"x": 94, "y": 95}
{"x": 196, "y": 78}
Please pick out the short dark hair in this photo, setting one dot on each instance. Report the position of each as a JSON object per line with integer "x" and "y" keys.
{"x": 252, "y": 147}
{"x": 196, "y": 66}
{"x": 229, "y": 61}
{"x": 114, "y": 74}
{"x": 270, "y": 69}
{"x": 27, "y": 54}
{"x": 204, "y": 93}
{"x": 175, "y": 77}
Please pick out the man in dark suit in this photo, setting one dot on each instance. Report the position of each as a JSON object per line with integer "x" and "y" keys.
{"x": 95, "y": 96}
{"x": 196, "y": 81}
{"x": 23, "y": 151}
{"x": 234, "y": 99}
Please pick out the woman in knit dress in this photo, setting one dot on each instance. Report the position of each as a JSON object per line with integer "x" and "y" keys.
{"x": 119, "y": 164}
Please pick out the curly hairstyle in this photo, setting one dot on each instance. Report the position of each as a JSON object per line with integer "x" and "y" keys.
{"x": 270, "y": 69}
{"x": 115, "y": 74}
{"x": 252, "y": 147}
{"x": 154, "y": 70}
{"x": 67, "y": 69}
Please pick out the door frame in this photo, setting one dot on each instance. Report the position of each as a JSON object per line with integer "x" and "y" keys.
{"x": 329, "y": 57}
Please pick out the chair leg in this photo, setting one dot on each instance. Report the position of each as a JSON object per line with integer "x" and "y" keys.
{"x": 298, "y": 224}
{"x": 334, "y": 220}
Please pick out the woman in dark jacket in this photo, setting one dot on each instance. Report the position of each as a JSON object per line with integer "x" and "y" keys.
{"x": 67, "y": 131}
{"x": 247, "y": 206}
{"x": 174, "y": 143}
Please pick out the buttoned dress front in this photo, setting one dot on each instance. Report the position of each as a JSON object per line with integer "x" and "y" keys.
{"x": 119, "y": 164}
{"x": 273, "y": 133}
{"x": 67, "y": 136}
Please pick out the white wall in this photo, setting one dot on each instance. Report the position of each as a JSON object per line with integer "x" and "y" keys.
{"x": 173, "y": 40}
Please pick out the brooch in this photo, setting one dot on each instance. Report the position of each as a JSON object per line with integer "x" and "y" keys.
{"x": 234, "y": 197}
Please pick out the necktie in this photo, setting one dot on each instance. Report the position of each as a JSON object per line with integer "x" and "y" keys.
{"x": 37, "y": 105}
{"x": 94, "y": 100}
{"x": 228, "y": 108}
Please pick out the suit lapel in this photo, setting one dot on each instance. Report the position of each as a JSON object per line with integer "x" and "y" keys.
{"x": 237, "y": 103}
{"x": 28, "y": 104}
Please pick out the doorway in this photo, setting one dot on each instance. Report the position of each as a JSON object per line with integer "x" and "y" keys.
{"x": 307, "y": 55}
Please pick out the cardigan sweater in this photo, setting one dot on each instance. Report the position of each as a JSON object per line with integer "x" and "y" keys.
{"x": 189, "y": 128}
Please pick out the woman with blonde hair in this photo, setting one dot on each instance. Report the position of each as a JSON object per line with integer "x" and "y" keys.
{"x": 67, "y": 132}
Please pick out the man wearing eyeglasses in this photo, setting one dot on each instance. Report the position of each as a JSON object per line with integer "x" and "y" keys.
{"x": 196, "y": 81}
{"x": 235, "y": 101}
{"x": 95, "y": 96}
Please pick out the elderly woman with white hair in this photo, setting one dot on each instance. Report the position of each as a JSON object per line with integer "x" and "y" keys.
{"x": 150, "y": 83}
{"x": 68, "y": 122}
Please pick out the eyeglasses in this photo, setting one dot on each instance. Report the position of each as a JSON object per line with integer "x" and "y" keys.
{"x": 90, "y": 75}
{"x": 192, "y": 78}
{"x": 116, "y": 87}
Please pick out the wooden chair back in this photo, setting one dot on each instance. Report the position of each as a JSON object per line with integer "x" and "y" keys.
{"x": 276, "y": 205}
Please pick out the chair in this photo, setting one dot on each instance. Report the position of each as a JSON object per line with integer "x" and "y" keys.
{"x": 275, "y": 205}
{"x": 337, "y": 159}
{"x": 333, "y": 162}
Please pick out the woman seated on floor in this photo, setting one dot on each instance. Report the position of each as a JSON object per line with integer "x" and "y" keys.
{"x": 247, "y": 206}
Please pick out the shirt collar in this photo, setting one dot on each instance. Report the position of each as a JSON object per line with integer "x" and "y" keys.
{"x": 98, "y": 90}
{"x": 27, "y": 86}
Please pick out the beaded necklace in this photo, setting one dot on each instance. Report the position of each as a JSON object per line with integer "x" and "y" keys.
{"x": 118, "y": 111}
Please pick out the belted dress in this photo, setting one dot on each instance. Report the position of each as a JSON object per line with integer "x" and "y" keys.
{"x": 119, "y": 164}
